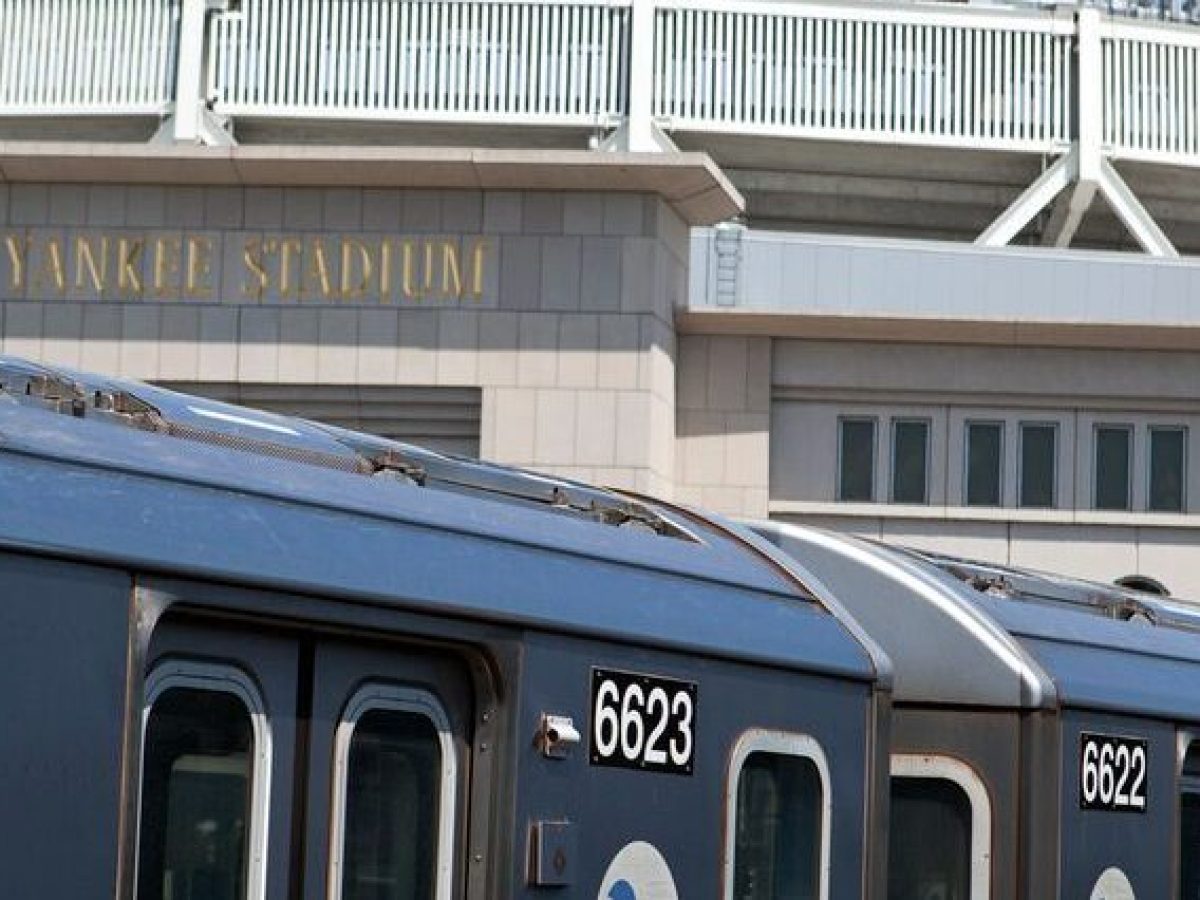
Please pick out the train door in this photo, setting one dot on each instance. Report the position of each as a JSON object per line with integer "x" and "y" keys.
{"x": 278, "y": 766}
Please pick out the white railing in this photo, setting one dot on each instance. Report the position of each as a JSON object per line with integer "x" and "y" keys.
{"x": 560, "y": 62}
{"x": 861, "y": 73}
{"x": 1151, "y": 90}
{"x": 87, "y": 57}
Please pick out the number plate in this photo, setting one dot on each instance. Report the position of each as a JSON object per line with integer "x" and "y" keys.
{"x": 1112, "y": 773}
{"x": 643, "y": 722}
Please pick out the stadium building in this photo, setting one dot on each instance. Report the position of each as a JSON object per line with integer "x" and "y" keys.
{"x": 919, "y": 271}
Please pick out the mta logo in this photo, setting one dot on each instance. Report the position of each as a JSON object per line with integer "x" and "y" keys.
{"x": 622, "y": 890}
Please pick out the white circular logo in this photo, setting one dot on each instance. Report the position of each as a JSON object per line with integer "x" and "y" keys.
{"x": 638, "y": 872}
{"x": 1113, "y": 885}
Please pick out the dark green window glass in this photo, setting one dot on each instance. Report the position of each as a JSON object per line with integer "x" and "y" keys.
{"x": 1166, "y": 469}
{"x": 393, "y": 787}
{"x": 195, "y": 820}
{"x": 985, "y": 441}
{"x": 910, "y": 461}
{"x": 1113, "y": 453}
{"x": 856, "y": 459}
{"x": 1039, "y": 454}
{"x": 777, "y": 850}
{"x": 929, "y": 854}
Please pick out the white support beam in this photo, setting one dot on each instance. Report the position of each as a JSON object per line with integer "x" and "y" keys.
{"x": 1068, "y": 212}
{"x": 1033, "y": 200}
{"x": 192, "y": 122}
{"x": 1133, "y": 214}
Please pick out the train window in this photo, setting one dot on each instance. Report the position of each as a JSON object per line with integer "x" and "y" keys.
{"x": 1038, "y": 451}
{"x": 985, "y": 442}
{"x": 1189, "y": 825}
{"x": 856, "y": 459}
{"x": 910, "y": 461}
{"x": 205, "y": 755}
{"x": 940, "y": 830}
{"x": 777, "y": 842}
{"x": 1167, "y": 447}
{"x": 1114, "y": 451}
{"x": 394, "y": 798}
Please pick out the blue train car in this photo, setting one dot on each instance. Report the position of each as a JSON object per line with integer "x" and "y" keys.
{"x": 1045, "y": 738}
{"x": 247, "y": 657}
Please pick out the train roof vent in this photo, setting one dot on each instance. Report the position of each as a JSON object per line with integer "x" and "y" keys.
{"x": 149, "y": 408}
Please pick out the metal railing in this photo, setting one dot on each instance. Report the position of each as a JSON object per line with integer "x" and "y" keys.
{"x": 90, "y": 57}
{"x": 1151, "y": 91}
{"x": 861, "y": 73}
{"x": 561, "y": 62}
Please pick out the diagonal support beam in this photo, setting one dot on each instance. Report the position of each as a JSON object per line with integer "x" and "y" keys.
{"x": 1133, "y": 214}
{"x": 1069, "y": 210}
{"x": 1033, "y": 200}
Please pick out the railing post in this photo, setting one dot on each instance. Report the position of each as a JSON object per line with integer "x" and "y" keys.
{"x": 192, "y": 121}
{"x": 1090, "y": 110}
{"x": 641, "y": 78}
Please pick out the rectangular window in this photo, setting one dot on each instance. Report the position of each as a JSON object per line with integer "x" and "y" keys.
{"x": 1189, "y": 824}
{"x": 1039, "y": 454}
{"x": 930, "y": 839}
{"x": 856, "y": 459}
{"x": 910, "y": 461}
{"x": 1113, "y": 456}
{"x": 1167, "y": 447}
{"x": 985, "y": 443}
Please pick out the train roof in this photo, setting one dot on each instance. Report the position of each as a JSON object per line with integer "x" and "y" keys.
{"x": 971, "y": 633}
{"x": 122, "y": 473}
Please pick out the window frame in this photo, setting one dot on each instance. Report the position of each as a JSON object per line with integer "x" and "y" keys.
{"x": 395, "y": 698}
{"x": 1183, "y": 467}
{"x": 931, "y": 766}
{"x": 1130, "y": 468}
{"x": 781, "y": 743}
{"x": 219, "y": 678}
{"x": 966, "y": 472}
{"x": 839, "y": 493}
{"x": 928, "y": 461}
{"x": 1055, "y": 429}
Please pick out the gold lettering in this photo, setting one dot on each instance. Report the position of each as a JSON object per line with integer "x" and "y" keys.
{"x": 288, "y": 247}
{"x": 167, "y": 257}
{"x": 385, "y": 269}
{"x": 199, "y": 268}
{"x": 51, "y": 273}
{"x": 407, "y": 279}
{"x": 317, "y": 267}
{"x": 129, "y": 255}
{"x": 451, "y": 271}
{"x": 18, "y": 251}
{"x": 477, "y": 258}
{"x": 86, "y": 265}
{"x": 427, "y": 281}
{"x": 355, "y": 287}
{"x": 252, "y": 256}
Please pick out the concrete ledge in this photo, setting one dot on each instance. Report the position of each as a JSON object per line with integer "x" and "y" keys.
{"x": 690, "y": 182}
{"x": 990, "y": 514}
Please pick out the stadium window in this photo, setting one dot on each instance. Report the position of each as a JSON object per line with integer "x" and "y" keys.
{"x": 1039, "y": 453}
{"x": 394, "y": 802}
{"x": 910, "y": 461}
{"x": 1167, "y": 453}
{"x": 203, "y": 788}
{"x": 780, "y": 808}
{"x": 1114, "y": 445}
{"x": 856, "y": 459}
{"x": 985, "y": 443}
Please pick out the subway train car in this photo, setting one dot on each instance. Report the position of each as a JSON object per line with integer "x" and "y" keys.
{"x": 1045, "y": 738}
{"x": 245, "y": 657}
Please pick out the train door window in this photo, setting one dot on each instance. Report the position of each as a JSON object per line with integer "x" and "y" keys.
{"x": 910, "y": 461}
{"x": 856, "y": 459}
{"x": 394, "y": 798}
{"x": 985, "y": 442}
{"x": 1167, "y": 446}
{"x": 1114, "y": 453}
{"x": 779, "y": 815}
{"x": 205, "y": 770}
{"x": 940, "y": 831}
{"x": 1039, "y": 449}
{"x": 1189, "y": 825}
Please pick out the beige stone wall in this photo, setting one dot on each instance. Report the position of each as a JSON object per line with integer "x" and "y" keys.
{"x": 723, "y": 420}
{"x": 572, "y": 343}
